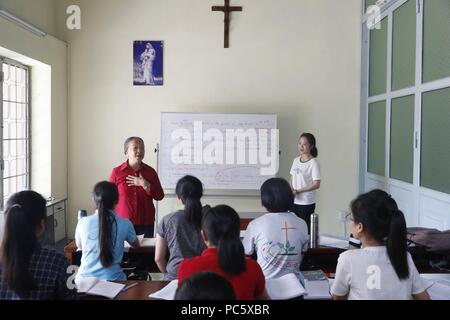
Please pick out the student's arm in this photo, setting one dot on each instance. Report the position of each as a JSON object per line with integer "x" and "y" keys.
{"x": 418, "y": 285}
{"x": 421, "y": 296}
{"x": 341, "y": 284}
{"x": 63, "y": 290}
{"x": 160, "y": 253}
{"x": 77, "y": 236}
{"x": 135, "y": 244}
{"x": 315, "y": 177}
{"x": 314, "y": 186}
{"x": 249, "y": 241}
{"x": 131, "y": 238}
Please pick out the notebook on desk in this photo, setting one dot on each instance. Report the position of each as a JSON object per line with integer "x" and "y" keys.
{"x": 437, "y": 285}
{"x": 144, "y": 242}
{"x": 284, "y": 287}
{"x": 166, "y": 293}
{"x": 316, "y": 284}
{"x": 94, "y": 286}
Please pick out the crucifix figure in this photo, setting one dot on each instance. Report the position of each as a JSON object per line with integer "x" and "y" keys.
{"x": 227, "y": 9}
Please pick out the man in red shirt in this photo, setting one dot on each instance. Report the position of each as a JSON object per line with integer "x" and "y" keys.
{"x": 138, "y": 185}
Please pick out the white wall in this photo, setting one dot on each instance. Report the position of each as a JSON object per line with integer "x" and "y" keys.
{"x": 40, "y": 13}
{"x": 47, "y": 58}
{"x": 298, "y": 58}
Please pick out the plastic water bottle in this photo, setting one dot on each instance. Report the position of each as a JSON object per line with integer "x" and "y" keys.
{"x": 314, "y": 236}
{"x": 82, "y": 214}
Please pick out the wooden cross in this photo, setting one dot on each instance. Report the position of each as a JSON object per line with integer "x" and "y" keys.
{"x": 227, "y": 9}
{"x": 286, "y": 228}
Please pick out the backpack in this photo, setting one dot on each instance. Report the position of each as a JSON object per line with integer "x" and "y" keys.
{"x": 431, "y": 239}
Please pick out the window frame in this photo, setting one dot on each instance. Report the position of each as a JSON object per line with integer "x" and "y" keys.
{"x": 28, "y": 125}
{"x": 416, "y": 197}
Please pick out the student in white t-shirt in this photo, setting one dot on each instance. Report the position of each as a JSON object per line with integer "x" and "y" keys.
{"x": 305, "y": 174}
{"x": 383, "y": 269}
{"x": 279, "y": 237}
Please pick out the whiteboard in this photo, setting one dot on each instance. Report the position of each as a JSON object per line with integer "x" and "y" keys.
{"x": 225, "y": 151}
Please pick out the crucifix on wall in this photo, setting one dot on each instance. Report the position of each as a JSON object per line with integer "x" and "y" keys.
{"x": 227, "y": 9}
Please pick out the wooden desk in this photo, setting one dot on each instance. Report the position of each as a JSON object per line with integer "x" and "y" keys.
{"x": 324, "y": 258}
{"x": 139, "y": 292}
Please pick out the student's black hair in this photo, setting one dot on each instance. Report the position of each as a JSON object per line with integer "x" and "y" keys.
{"x": 189, "y": 189}
{"x": 105, "y": 198}
{"x": 276, "y": 195}
{"x": 205, "y": 285}
{"x": 25, "y": 211}
{"x": 381, "y": 218}
{"x": 221, "y": 227}
{"x": 128, "y": 140}
{"x": 312, "y": 142}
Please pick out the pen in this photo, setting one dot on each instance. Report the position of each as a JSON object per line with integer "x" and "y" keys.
{"x": 129, "y": 286}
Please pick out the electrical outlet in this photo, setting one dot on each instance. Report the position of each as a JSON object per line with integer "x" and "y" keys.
{"x": 342, "y": 216}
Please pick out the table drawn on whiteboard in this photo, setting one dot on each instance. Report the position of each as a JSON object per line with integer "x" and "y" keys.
{"x": 196, "y": 144}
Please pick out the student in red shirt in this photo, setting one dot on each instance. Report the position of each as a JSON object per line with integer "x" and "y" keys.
{"x": 138, "y": 185}
{"x": 225, "y": 255}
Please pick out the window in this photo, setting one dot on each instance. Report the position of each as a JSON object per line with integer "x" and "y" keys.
{"x": 14, "y": 111}
{"x": 405, "y": 135}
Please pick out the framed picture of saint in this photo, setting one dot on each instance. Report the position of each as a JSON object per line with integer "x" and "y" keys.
{"x": 148, "y": 63}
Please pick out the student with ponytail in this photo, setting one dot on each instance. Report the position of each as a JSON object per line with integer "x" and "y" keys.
{"x": 305, "y": 173}
{"x": 383, "y": 269}
{"x": 179, "y": 232}
{"x": 27, "y": 270}
{"x": 101, "y": 236}
{"x": 225, "y": 255}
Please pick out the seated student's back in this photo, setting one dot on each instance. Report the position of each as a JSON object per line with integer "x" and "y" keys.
{"x": 101, "y": 237}
{"x": 279, "y": 237}
{"x": 383, "y": 269}
{"x": 28, "y": 271}
{"x": 178, "y": 234}
{"x": 225, "y": 255}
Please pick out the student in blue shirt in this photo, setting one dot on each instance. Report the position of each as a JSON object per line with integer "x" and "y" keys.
{"x": 101, "y": 236}
{"x": 27, "y": 270}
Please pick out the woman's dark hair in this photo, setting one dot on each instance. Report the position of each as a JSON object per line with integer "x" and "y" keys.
{"x": 380, "y": 216}
{"x": 24, "y": 212}
{"x": 221, "y": 226}
{"x": 189, "y": 189}
{"x": 205, "y": 285}
{"x": 105, "y": 197}
{"x": 312, "y": 142}
{"x": 127, "y": 142}
{"x": 276, "y": 195}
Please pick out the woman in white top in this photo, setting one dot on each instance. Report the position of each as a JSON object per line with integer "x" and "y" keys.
{"x": 305, "y": 172}
{"x": 279, "y": 237}
{"x": 383, "y": 269}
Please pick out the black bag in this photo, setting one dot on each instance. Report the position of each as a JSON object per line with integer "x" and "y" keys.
{"x": 431, "y": 239}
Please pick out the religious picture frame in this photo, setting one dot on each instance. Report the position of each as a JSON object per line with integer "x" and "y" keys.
{"x": 148, "y": 63}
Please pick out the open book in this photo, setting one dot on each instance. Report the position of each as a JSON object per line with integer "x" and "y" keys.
{"x": 166, "y": 293}
{"x": 144, "y": 242}
{"x": 437, "y": 285}
{"x": 91, "y": 285}
{"x": 284, "y": 287}
{"x": 317, "y": 285}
